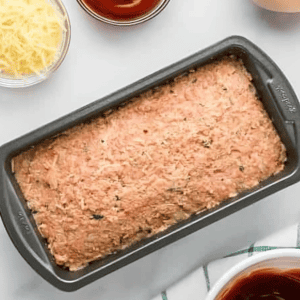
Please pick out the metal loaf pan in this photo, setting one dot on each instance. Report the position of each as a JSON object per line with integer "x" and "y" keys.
{"x": 279, "y": 101}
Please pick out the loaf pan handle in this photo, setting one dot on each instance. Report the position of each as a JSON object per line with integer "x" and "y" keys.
{"x": 280, "y": 90}
{"x": 278, "y": 85}
{"x": 286, "y": 98}
{"x": 20, "y": 228}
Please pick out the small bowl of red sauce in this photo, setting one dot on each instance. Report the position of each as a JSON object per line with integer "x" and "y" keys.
{"x": 123, "y": 12}
{"x": 274, "y": 274}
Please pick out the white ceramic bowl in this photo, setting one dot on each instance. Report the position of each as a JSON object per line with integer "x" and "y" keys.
{"x": 28, "y": 80}
{"x": 279, "y": 258}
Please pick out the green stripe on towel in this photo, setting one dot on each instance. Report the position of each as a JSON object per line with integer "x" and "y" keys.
{"x": 263, "y": 248}
{"x": 253, "y": 249}
{"x": 164, "y": 295}
{"x": 243, "y": 251}
{"x": 250, "y": 250}
{"x": 206, "y": 277}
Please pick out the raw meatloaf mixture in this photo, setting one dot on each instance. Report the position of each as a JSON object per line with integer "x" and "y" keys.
{"x": 171, "y": 152}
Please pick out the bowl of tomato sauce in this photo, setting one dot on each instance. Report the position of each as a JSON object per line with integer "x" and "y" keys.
{"x": 270, "y": 275}
{"x": 123, "y": 12}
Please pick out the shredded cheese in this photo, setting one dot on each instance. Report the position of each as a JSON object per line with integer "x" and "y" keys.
{"x": 30, "y": 35}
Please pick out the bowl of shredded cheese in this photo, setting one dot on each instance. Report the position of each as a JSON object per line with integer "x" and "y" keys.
{"x": 34, "y": 40}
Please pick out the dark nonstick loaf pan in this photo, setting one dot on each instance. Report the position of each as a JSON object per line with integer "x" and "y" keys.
{"x": 279, "y": 101}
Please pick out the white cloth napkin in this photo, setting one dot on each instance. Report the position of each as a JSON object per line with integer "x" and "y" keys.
{"x": 197, "y": 284}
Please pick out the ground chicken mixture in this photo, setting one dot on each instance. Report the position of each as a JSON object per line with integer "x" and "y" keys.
{"x": 172, "y": 152}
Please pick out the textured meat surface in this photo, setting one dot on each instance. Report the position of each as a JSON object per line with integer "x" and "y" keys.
{"x": 170, "y": 153}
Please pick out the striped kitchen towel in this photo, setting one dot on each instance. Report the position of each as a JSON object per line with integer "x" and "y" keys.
{"x": 197, "y": 284}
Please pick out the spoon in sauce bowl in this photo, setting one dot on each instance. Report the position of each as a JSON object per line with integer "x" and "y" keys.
{"x": 131, "y": 3}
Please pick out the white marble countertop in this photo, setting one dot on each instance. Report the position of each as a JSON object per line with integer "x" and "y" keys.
{"x": 102, "y": 59}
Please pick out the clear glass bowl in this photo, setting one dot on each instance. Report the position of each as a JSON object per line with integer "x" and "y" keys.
{"x": 11, "y": 81}
{"x": 143, "y": 18}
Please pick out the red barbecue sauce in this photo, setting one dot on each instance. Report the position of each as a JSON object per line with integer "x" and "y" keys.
{"x": 264, "y": 284}
{"x": 121, "y": 9}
